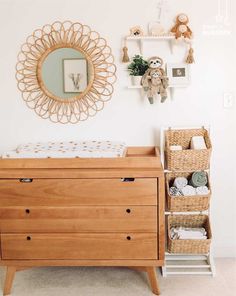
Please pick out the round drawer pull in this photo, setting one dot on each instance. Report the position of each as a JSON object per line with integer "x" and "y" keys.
{"x": 27, "y": 211}
{"x": 128, "y": 211}
{"x": 28, "y": 238}
{"x": 128, "y": 237}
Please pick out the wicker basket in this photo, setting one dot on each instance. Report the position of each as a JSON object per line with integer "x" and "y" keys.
{"x": 186, "y": 159}
{"x": 185, "y": 203}
{"x": 189, "y": 246}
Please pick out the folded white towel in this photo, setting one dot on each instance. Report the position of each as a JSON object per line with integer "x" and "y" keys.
{"x": 180, "y": 182}
{"x": 188, "y": 233}
{"x": 198, "y": 142}
{"x": 192, "y": 237}
{"x": 176, "y": 147}
{"x": 202, "y": 190}
{"x": 188, "y": 190}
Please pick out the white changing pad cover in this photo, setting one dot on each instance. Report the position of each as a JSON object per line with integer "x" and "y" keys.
{"x": 83, "y": 149}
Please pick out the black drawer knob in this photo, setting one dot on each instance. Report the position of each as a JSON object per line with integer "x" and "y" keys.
{"x": 26, "y": 180}
{"x": 27, "y": 211}
{"x": 128, "y": 211}
{"x": 128, "y": 237}
{"x": 28, "y": 238}
{"x": 128, "y": 179}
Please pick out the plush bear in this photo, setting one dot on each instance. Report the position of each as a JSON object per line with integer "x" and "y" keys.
{"x": 181, "y": 29}
{"x": 154, "y": 81}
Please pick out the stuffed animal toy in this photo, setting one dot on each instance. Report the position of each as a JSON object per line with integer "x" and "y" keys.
{"x": 136, "y": 31}
{"x": 154, "y": 81}
{"x": 181, "y": 29}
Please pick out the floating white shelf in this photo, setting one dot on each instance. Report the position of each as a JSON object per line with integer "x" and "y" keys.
{"x": 139, "y": 86}
{"x": 161, "y": 37}
{"x": 140, "y": 39}
{"x": 170, "y": 87}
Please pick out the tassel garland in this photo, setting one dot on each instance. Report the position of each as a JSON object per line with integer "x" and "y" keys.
{"x": 125, "y": 58}
{"x": 190, "y": 58}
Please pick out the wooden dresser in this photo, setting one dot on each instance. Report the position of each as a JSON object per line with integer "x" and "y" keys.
{"x": 83, "y": 212}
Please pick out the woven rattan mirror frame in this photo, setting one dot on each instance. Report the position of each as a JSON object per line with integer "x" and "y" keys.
{"x": 65, "y": 35}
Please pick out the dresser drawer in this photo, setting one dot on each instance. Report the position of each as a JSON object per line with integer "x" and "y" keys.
{"x": 79, "y": 246}
{"x": 79, "y": 219}
{"x": 68, "y": 192}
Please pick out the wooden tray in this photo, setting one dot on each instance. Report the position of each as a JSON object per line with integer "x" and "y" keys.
{"x": 136, "y": 157}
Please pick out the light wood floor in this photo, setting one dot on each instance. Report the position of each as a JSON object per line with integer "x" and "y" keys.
{"x": 90, "y": 281}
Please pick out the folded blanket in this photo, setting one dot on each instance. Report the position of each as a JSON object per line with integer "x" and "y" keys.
{"x": 175, "y": 191}
{"x": 188, "y": 233}
{"x": 180, "y": 182}
{"x": 198, "y": 143}
{"x": 198, "y": 178}
{"x": 176, "y": 148}
{"x": 188, "y": 190}
{"x": 202, "y": 190}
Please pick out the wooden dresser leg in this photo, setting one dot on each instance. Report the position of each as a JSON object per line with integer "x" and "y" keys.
{"x": 152, "y": 275}
{"x": 10, "y": 274}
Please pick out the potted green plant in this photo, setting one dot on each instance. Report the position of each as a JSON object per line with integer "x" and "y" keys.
{"x": 137, "y": 68}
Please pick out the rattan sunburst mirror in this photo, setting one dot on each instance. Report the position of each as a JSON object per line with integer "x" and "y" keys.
{"x": 65, "y": 72}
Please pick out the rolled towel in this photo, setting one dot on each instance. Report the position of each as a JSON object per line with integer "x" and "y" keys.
{"x": 198, "y": 178}
{"x": 188, "y": 190}
{"x": 198, "y": 143}
{"x": 175, "y": 191}
{"x": 202, "y": 190}
{"x": 180, "y": 182}
{"x": 176, "y": 148}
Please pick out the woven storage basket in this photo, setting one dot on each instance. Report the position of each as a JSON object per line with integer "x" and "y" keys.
{"x": 185, "y": 203}
{"x": 186, "y": 159}
{"x": 189, "y": 246}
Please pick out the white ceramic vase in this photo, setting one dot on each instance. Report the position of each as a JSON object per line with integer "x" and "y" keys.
{"x": 136, "y": 80}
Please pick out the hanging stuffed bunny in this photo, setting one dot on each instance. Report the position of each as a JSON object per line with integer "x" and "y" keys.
{"x": 154, "y": 81}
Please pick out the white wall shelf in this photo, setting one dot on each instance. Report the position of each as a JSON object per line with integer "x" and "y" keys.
{"x": 146, "y": 37}
{"x": 171, "y": 88}
{"x": 172, "y": 42}
{"x": 140, "y": 39}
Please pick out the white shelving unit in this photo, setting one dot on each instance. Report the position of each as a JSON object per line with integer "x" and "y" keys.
{"x": 185, "y": 264}
{"x": 172, "y": 42}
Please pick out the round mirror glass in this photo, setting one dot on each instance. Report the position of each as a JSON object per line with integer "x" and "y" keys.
{"x": 66, "y": 73}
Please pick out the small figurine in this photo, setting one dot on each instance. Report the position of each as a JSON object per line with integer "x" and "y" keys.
{"x": 156, "y": 29}
{"x": 154, "y": 81}
{"x": 136, "y": 31}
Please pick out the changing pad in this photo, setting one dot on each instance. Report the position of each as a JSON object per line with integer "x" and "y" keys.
{"x": 83, "y": 149}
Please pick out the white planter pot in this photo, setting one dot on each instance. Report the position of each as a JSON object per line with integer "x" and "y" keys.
{"x": 136, "y": 80}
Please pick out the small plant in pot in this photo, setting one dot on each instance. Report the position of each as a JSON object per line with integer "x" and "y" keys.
{"x": 137, "y": 69}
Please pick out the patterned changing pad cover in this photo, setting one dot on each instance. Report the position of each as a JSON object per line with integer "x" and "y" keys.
{"x": 83, "y": 149}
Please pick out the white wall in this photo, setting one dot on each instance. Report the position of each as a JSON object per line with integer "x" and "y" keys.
{"x": 127, "y": 117}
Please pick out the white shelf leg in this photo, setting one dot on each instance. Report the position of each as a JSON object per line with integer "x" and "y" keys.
{"x": 163, "y": 269}
{"x": 172, "y": 92}
{"x": 171, "y": 45}
{"x": 141, "y": 46}
{"x": 210, "y": 261}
